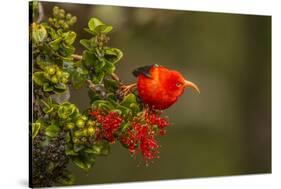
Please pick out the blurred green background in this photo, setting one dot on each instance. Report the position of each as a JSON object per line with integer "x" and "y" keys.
{"x": 226, "y": 130}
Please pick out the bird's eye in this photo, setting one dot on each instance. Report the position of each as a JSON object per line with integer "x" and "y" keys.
{"x": 178, "y": 84}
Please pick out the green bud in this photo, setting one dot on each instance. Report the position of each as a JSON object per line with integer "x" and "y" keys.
{"x": 51, "y": 70}
{"x": 59, "y": 73}
{"x": 39, "y": 33}
{"x": 91, "y": 130}
{"x": 90, "y": 123}
{"x": 68, "y": 16}
{"x": 80, "y": 123}
{"x": 77, "y": 133}
{"x": 65, "y": 75}
{"x": 61, "y": 13}
{"x": 65, "y": 26}
{"x": 61, "y": 22}
{"x": 83, "y": 117}
{"x": 56, "y": 11}
{"x": 85, "y": 132}
{"x": 76, "y": 140}
{"x": 64, "y": 80}
{"x": 54, "y": 79}
{"x": 46, "y": 75}
{"x": 73, "y": 20}
{"x": 69, "y": 126}
{"x": 84, "y": 139}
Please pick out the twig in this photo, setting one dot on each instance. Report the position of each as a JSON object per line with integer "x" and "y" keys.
{"x": 115, "y": 77}
{"x": 91, "y": 85}
{"x": 76, "y": 57}
{"x": 125, "y": 89}
{"x": 40, "y": 13}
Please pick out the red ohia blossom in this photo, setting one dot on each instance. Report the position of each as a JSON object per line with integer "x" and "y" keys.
{"x": 141, "y": 137}
{"x": 110, "y": 123}
{"x": 154, "y": 118}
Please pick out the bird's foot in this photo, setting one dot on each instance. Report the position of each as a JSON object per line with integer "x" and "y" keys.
{"x": 125, "y": 89}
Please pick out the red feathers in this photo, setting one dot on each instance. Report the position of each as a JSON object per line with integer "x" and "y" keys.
{"x": 161, "y": 87}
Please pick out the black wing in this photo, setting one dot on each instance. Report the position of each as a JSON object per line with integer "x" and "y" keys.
{"x": 143, "y": 70}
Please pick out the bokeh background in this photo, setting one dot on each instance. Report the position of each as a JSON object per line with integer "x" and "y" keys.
{"x": 226, "y": 130}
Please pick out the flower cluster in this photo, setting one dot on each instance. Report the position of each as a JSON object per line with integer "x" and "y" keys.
{"x": 155, "y": 118}
{"x": 85, "y": 130}
{"x": 109, "y": 123}
{"x": 62, "y": 19}
{"x": 141, "y": 137}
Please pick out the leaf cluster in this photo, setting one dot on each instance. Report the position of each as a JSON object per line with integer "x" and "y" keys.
{"x": 98, "y": 59}
{"x": 56, "y": 71}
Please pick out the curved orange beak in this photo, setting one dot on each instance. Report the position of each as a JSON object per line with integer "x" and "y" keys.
{"x": 190, "y": 84}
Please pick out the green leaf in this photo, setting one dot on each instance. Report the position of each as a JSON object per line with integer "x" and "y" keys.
{"x": 66, "y": 50}
{"x": 52, "y": 32}
{"x": 69, "y": 37}
{"x": 128, "y": 100}
{"x": 111, "y": 84}
{"x": 117, "y": 111}
{"x": 68, "y": 66}
{"x": 71, "y": 152}
{"x": 135, "y": 108}
{"x": 55, "y": 44}
{"x": 84, "y": 161}
{"x": 98, "y": 78}
{"x": 67, "y": 137}
{"x": 89, "y": 31}
{"x": 86, "y": 43}
{"x": 78, "y": 77}
{"x": 107, "y": 29}
{"x": 95, "y": 25}
{"x": 124, "y": 126}
{"x": 66, "y": 178}
{"x": 102, "y": 104}
{"x": 39, "y": 33}
{"x": 93, "y": 96}
{"x": 113, "y": 55}
{"x": 61, "y": 97}
{"x": 48, "y": 110}
{"x": 125, "y": 111}
{"x": 51, "y": 166}
{"x": 78, "y": 147}
{"x": 60, "y": 88}
{"x": 47, "y": 87}
{"x": 101, "y": 149}
{"x": 35, "y": 129}
{"x": 109, "y": 68}
{"x": 89, "y": 59}
{"x": 52, "y": 131}
{"x": 48, "y": 107}
{"x": 38, "y": 78}
{"x": 66, "y": 110}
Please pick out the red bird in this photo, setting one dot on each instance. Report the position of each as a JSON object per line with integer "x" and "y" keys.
{"x": 160, "y": 87}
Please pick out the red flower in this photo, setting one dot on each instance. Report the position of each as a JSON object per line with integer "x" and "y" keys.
{"x": 154, "y": 118}
{"x": 149, "y": 147}
{"x": 110, "y": 123}
{"x": 141, "y": 138}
